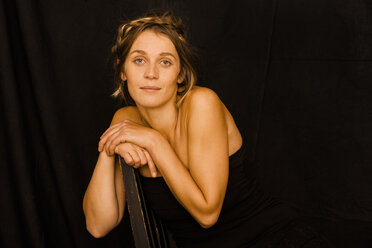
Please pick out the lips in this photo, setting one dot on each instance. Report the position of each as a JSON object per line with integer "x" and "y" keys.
{"x": 150, "y": 89}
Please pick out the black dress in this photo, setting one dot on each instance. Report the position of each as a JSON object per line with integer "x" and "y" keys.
{"x": 248, "y": 217}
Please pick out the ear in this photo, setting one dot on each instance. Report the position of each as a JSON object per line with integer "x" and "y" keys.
{"x": 122, "y": 76}
{"x": 181, "y": 76}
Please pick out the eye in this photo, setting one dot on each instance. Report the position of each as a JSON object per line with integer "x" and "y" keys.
{"x": 139, "y": 61}
{"x": 166, "y": 62}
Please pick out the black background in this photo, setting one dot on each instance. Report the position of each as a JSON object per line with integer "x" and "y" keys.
{"x": 295, "y": 74}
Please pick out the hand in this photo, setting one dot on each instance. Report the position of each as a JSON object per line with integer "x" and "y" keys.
{"x": 136, "y": 156}
{"x": 126, "y": 132}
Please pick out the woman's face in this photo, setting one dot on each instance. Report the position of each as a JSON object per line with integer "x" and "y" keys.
{"x": 152, "y": 69}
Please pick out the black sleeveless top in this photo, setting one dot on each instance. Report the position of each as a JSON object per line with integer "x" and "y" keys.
{"x": 247, "y": 214}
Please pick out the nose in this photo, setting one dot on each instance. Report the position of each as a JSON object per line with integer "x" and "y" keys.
{"x": 152, "y": 71}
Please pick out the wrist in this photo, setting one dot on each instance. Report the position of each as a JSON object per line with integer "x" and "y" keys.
{"x": 105, "y": 156}
{"x": 155, "y": 142}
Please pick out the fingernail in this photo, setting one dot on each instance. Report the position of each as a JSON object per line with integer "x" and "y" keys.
{"x": 154, "y": 174}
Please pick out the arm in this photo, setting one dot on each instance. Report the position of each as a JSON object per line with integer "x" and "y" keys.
{"x": 200, "y": 185}
{"x": 104, "y": 199}
{"x": 201, "y": 188}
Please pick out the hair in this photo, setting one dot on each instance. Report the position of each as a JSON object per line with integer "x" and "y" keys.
{"x": 165, "y": 23}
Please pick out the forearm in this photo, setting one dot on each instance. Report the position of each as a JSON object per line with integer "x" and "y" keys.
{"x": 101, "y": 201}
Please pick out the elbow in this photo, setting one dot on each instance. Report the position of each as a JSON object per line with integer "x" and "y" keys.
{"x": 97, "y": 231}
{"x": 99, "y": 224}
{"x": 208, "y": 215}
{"x": 208, "y": 220}
{"x": 92, "y": 226}
{"x": 99, "y": 228}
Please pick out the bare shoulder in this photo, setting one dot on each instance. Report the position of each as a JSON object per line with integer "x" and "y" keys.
{"x": 202, "y": 98}
{"x": 126, "y": 113}
{"x": 202, "y": 104}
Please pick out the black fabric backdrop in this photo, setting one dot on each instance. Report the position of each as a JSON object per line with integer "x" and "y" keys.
{"x": 296, "y": 76}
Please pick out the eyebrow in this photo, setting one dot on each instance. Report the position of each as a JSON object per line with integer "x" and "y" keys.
{"x": 161, "y": 54}
{"x": 167, "y": 54}
{"x": 138, "y": 51}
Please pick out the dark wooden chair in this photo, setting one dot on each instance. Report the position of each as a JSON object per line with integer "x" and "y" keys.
{"x": 148, "y": 230}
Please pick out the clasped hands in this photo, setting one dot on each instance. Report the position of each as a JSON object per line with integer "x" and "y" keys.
{"x": 128, "y": 139}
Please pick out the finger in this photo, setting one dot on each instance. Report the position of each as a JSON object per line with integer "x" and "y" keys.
{"x": 112, "y": 141}
{"x": 116, "y": 140}
{"x": 150, "y": 164}
{"x": 128, "y": 158}
{"x": 142, "y": 155}
{"x": 123, "y": 150}
{"x": 105, "y": 132}
{"x": 120, "y": 150}
{"x": 105, "y": 137}
{"x": 109, "y": 129}
{"x": 136, "y": 158}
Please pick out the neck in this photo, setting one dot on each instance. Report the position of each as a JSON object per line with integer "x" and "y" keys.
{"x": 163, "y": 119}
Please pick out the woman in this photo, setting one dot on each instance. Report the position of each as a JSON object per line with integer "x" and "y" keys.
{"x": 187, "y": 147}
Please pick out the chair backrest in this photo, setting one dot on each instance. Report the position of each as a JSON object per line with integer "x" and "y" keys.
{"x": 148, "y": 230}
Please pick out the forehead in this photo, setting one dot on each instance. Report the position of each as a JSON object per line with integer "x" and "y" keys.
{"x": 153, "y": 43}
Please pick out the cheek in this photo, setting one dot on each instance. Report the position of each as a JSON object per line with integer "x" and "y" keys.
{"x": 172, "y": 76}
{"x": 131, "y": 90}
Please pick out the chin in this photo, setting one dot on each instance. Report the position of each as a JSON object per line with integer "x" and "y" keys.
{"x": 152, "y": 101}
{"x": 149, "y": 103}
